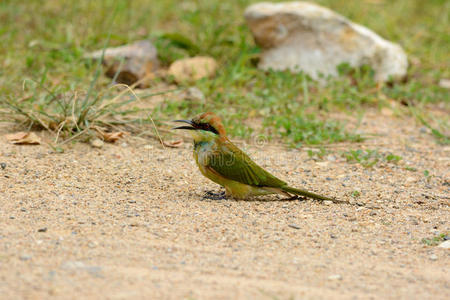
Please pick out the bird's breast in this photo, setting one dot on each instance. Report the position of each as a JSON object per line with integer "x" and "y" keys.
{"x": 203, "y": 152}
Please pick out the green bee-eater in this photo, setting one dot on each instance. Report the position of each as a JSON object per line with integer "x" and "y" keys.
{"x": 221, "y": 161}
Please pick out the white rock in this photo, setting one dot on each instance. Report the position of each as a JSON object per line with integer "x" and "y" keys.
{"x": 301, "y": 36}
{"x": 335, "y": 277}
{"x": 445, "y": 244}
{"x": 433, "y": 257}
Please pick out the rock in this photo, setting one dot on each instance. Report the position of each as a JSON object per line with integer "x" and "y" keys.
{"x": 385, "y": 111}
{"x": 445, "y": 244}
{"x": 43, "y": 229}
{"x": 140, "y": 60}
{"x": 433, "y": 257}
{"x": 335, "y": 277}
{"x": 193, "y": 68}
{"x": 80, "y": 266}
{"x": 444, "y": 83}
{"x": 301, "y": 36}
{"x": 194, "y": 94}
{"x": 294, "y": 226}
{"x": 410, "y": 179}
{"x": 328, "y": 202}
{"x": 331, "y": 157}
{"x": 25, "y": 257}
{"x": 97, "y": 143}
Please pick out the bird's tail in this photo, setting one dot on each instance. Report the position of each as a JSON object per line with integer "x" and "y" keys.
{"x": 299, "y": 192}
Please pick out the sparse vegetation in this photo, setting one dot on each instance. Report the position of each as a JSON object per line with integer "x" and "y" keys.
{"x": 369, "y": 158}
{"x": 291, "y": 104}
{"x": 435, "y": 240}
{"x": 317, "y": 154}
{"x": 356, "y": 194}
{"x": 69, "y": 115}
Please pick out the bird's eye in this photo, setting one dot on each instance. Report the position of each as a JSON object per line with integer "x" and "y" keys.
{"x": 208, "y": 127}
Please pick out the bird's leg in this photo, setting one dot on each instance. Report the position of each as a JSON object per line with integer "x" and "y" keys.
{"x": 291, "y": 197}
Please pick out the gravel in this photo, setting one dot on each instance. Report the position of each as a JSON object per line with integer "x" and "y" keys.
{"x": 230, "y": 249}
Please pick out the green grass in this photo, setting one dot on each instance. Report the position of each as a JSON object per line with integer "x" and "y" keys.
{"x": 317, "y": 154}
{"x": 435, "y": 240}
{"x": 356, "y": 194}
{"x": 47, "y": 39}
{"x": 370, "y": 158}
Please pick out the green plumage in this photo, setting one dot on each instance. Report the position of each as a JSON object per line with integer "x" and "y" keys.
{"x": 221, "y": 161}
{"x": 232, "y": 163}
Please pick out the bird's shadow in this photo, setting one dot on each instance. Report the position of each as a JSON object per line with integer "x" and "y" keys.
{"x": 211, "y": 195}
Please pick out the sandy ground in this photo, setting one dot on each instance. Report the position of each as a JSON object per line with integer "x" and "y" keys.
{"x": 130, "y": 221}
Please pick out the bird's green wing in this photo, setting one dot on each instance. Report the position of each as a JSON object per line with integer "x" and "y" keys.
{"x": 232, "y": 163}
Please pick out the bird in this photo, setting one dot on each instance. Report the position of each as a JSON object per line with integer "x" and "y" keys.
{"x": 225, "y": 164}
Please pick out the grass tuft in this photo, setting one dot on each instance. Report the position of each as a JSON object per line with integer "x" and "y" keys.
{"x": 69, "y": 114}
{"x": 38, "y": 37}
{"x": 370, "y": 158}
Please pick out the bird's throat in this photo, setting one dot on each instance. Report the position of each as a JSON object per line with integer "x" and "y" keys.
{"x": 200, "y": 136}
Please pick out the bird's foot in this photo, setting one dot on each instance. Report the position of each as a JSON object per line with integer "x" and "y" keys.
{"x": 214, "y": 196}
{"x": 294, "y": 197}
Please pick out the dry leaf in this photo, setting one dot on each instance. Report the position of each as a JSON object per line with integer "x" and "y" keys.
{"x": 23, "y": 138}
{"x": 173, "y": 144}
{"x": 111, "y": 137}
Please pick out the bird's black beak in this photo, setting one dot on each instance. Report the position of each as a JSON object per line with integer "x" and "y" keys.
{"x": 191, "y": 127}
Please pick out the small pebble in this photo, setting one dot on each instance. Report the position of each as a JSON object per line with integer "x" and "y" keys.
{"x": 43, "y": 229}
{"x": 97, "y": 143}
{"x": 445, "y": 244}
{"x": 444, "y": 83}
{"x": 335, "y": 277}
{"x": 410, "y": 179}
{"x": 328, "y": 202}
{"x": 25, "y": 257}
{"x": 3, "y": 165}
{"x": 433, "y": 257}
{"x": 294, "y": 226}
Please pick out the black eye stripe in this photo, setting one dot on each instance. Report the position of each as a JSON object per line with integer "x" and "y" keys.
{"x": 207, "y": 127}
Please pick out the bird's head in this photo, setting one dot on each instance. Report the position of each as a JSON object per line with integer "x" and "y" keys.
{"x": 204, "y": 127}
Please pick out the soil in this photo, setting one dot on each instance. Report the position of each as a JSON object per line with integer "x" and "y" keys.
{"x": 130, "y": 220}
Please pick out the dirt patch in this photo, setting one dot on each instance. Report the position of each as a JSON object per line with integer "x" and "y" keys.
{"x": 130, "y": 220}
